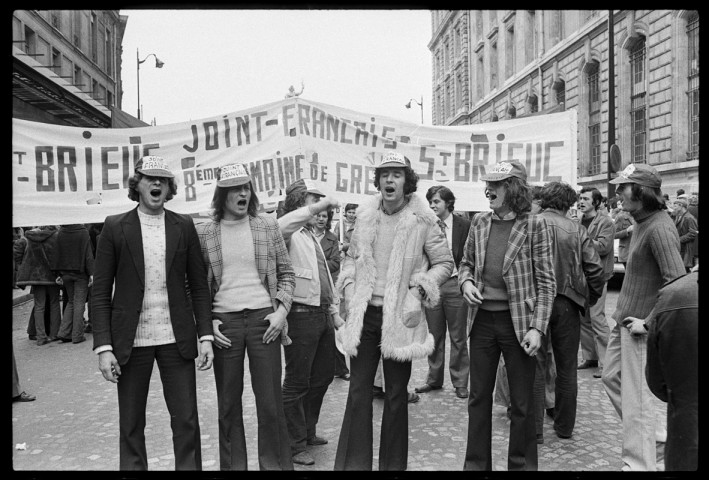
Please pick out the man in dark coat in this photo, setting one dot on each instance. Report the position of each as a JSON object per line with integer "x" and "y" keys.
{"x": 152, "y": 256}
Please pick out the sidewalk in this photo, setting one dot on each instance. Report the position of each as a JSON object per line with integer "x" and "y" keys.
{"x": 20, "y": 296}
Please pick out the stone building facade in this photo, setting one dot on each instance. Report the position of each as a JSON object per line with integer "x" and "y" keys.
{"x": 67, "y": 67}
{"x": 491, "y": 65}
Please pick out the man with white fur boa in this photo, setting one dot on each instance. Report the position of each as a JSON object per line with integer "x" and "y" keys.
{"x": 398, "y": 258}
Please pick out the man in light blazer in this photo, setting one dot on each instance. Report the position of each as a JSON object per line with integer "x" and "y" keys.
{"x": 150, "y": 302}
{"x": 451, "y": 312}
{"x": 507, "y": 277}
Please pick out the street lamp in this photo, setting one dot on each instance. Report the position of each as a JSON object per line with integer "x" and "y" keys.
{"x": 158, "y": 64}
{"x": 420, "y": 104}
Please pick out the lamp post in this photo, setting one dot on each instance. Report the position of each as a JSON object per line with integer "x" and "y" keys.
{"x": 420, "y": 104}
{"x": 158, "y": 64}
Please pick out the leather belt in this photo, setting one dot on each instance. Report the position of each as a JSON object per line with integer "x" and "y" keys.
{"x": 299, "y": 307}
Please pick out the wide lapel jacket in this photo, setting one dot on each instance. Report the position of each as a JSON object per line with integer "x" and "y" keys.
{"x": 527, "y": 270}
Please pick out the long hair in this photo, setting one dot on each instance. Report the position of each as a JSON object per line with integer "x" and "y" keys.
{"x": 135, "y": 180}
{"x": 410, "y": 179}
{"x": 596, "y": 196}
{"x": 443, "y": 192}
{"x": 518, "y": 196}
{"x": 219, "y": 200}
{"x": 651, "y": 198}
{"x": 557, "y": 195}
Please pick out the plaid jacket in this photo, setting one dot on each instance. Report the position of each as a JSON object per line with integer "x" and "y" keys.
{"x": 272, "y": 259}
{"x": 527, "y": 270}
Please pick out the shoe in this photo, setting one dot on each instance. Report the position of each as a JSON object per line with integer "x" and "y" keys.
{"x": 33, "y": 337}
{"x": 82, "y": 339}
{"x": 378, "y": 392}
{"x": 566, "y": 437}
{"x": 587, "y": 364}
{"x": 44, "y": 341}
{"x": 426, "y": 388}
{"x": 344, "y": 376}
{"x": 413, "y": 397}
{"x": 461, "y": 392}
{"x": 550, "y": 412}
{"x": 315, "y": 440}
{"x": 64, "y": 339}
{"x": 599, "y": 373}
{"x": 24, "y": 397}
{"x": 303, "y": 458}
{"x": 540, "y": 438}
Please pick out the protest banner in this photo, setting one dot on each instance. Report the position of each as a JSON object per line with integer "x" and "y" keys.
{"x": 64, "y": 174}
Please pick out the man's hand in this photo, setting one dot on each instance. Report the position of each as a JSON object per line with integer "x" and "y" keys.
{"x": 636, "y": 326}
{"x": 108, "y": 365}
{"x": 220, "y": 340}
{"x": 532, "y": 341}
{"x": 471, "y": 294}
{"x": 630, "y": 229}
{"x": 277, "y": 320}
{"x": 337, "y": 321}
{"x": 59, "y": 280}
{"x": 206, "y": 355}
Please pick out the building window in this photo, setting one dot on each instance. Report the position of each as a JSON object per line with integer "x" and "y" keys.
{"x": 480, "y": 77}
{"x": 77, "y": 77}
{"x": 94, "y": 89}
{"x": 55, "y": 19}
{"x": 510, "y": 52}
{"x": 638, "y": 92}
{"x": 56, "y": 61}
{"x": 446, "y": 56}
{"x": 560, "y": 92}
{"x": 478, "y": 25}
{"x": 594, "y": 136}
{"x": 693, "y": 86}
{"x": 94, "y": 37}
{"x": 533, "y": 104}
{"x": 458, "y": 93}
{"x": 30, "y": 44}
{"x": 493, "y": 66}
{"x": 594, "y": 120}
{"x": 456, "y": 42}
{"x": 77, "y": 28}
{"x": 109, "y": 53}
{"x": 530, "y": 46}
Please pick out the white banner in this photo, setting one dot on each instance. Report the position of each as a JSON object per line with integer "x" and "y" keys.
{"x": 66, "y": 175}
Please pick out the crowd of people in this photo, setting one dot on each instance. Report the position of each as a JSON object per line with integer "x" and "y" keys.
{"x": 518, "y": 289}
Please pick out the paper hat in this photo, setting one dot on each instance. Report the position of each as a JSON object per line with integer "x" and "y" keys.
{"x": 153, "y": 166}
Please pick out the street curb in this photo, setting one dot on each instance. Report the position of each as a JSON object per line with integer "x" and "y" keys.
{"x": 21, "y": 299}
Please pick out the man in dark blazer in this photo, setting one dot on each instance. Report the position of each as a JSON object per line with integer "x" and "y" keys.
{"x": 452, "y": 310}
{"x": 150, "y": 302}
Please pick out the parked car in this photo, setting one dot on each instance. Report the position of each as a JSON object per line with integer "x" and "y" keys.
{"x": 618, "y": 268}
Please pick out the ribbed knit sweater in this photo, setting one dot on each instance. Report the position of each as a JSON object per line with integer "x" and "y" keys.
{"x": 653, "y": 260}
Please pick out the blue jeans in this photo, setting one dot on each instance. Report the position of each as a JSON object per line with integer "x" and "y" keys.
{"x": 563, "y": 332}
{"x": 355, "y": 447}
{"x": 310, "y": 368}
{"x": 77, "y": 288}
{"x": 245, "y": 329}
{"x": 493, "y": 333}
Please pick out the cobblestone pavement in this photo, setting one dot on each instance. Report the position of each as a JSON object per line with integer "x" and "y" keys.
{"x": 73, "y": 424}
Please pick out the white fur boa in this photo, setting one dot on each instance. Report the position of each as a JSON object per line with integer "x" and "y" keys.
{"x": 399, "y": 342}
